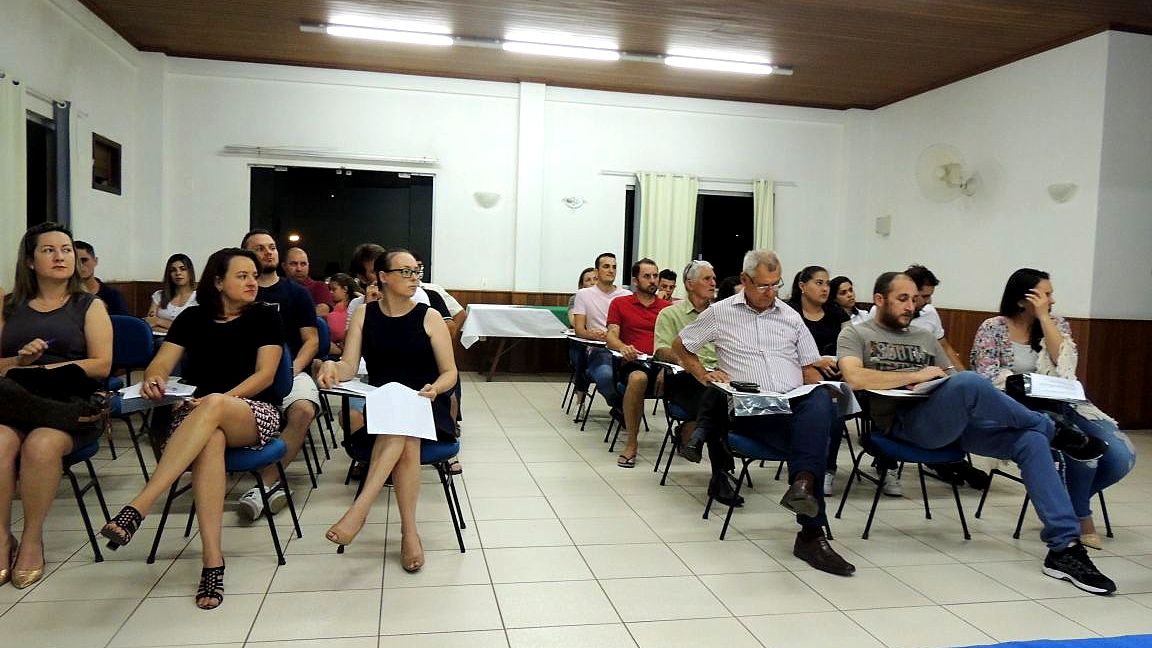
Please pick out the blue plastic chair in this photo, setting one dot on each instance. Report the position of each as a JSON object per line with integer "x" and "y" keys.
{"x": 132, "y": 348}
{"x": 251, "y": 461}
{"x": 889, "y": 452}
{"x": 84, "y": 455}
{"x": 432, "y": 453}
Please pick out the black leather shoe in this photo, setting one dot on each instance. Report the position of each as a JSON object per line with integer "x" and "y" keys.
{"x": 800, "y": 499}
{"x": 722, "y": 489}
{"x": 820, "y": 555}
{"x": 1073, "y": 441}
{"x": 693, "y": 449}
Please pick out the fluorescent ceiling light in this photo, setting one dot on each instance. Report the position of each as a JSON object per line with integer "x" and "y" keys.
{"x": 719, "y": 55}
{"x": 567, "y": 51}
{"x": 717, "y": 65}
{"x": 390, "y": 35}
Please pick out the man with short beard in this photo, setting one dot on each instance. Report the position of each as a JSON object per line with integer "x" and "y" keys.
{"x": 298, "y": 315}
{"x": 885, "y": 353}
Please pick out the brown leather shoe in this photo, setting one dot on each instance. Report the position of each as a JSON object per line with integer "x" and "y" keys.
{"x": 820, "y": 555}
{"x": 800, "y": 498}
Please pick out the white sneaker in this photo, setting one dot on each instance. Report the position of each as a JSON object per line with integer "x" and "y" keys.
{"x": 892, "y": 486}
{"x": 251, "y": 504}
{"x": 829, "y": 482}
{"x": 276, "y": 501}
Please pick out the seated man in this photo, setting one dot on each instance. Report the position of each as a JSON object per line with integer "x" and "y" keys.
{"x": 885, "y": 353}
{"x": 298, "y": 315}
{"x": 631, "y": 332}
{"x": 760, "y": 340}
{"x": 590, "y": 321}
{"x": 682, "y": 389}
{"x": 296, "y": 268}
{"x": 86, "y": 263}
{"x": 667, "y": 284}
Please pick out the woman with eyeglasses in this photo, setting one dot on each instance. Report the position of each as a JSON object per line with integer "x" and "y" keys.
{"x": 406, "y": 342}
{"x": 178, "y": 293}
{"x": 1026, "y": 337}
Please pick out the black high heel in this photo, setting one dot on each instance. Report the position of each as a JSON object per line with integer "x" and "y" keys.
{"x": 119, "y": 530}
{"x": 211, "y": 587}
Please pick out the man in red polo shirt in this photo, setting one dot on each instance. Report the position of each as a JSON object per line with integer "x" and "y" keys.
{"x": 632, "y": 332}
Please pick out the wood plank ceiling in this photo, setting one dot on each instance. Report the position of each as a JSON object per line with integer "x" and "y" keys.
{"x": 845, "y": 53}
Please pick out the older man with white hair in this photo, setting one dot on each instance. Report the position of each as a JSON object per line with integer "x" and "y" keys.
{"x": 760, "y": 340}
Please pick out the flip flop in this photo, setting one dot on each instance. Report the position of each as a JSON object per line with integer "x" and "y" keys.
{"x": 626, "y": 462}
{"x": 454, "y": 467}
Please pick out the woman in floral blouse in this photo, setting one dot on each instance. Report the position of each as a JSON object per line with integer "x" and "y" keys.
{"x": 1027, "y": 338}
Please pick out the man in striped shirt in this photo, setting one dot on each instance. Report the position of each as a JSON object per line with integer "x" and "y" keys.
{"x": 760, "y": 339}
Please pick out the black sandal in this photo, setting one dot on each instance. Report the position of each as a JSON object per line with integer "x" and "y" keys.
{"x": 119, "y": 529}
{"x": 211, "y": 588}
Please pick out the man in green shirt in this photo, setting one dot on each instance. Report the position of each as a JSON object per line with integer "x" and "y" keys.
{"x": 682, "y": 390}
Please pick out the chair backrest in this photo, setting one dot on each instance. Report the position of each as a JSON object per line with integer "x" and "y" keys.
{"x": 325, "y": 336}
{"x": 282, "y": 385}
{"x": 132, "y": 342}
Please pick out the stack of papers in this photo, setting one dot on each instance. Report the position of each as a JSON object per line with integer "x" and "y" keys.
{"x": 172, "y": 389}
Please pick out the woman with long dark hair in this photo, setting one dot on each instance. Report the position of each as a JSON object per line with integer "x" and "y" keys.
{"x": 178, "y": 293}
{"x": 49, "y": 323}
{"x": 843, "y": 293}
{"x": 344, "y": 289}
{"x": 1026, "y": 337}
{"x": 231, "y": 347}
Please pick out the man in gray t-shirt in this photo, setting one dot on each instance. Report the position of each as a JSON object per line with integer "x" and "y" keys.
{"x": 966, "y": 409}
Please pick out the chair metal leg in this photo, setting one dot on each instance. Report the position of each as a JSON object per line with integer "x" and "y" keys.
{"x": 663, "y": 446}
{"x": 191, "y": 516}
{"x": 1020, "y": 520}
{"x": 960, "y": 510}
{"x": 779, "y": 469}
{"x": 1104, "y": 512}
{"x": 172, "y": 492}
{"x": 323, "y": 444}
{"x": 587, "y": 409}
{"x": 671, "y": 453}
{"x": 308, "y": 464}
{"x": 268, "y": 515}
{"x": 569, "y": 392}
{"x": 288, "y": 494}
{"x": 924, "y": 491}
{"x": 875, "y": 502}
{"x": 79, "y": 493}
{"x": 735, "y": 496}
{"x": 848, "y": 485}
{"x": 457, "y": 516}
{"x": 136, "y": 446}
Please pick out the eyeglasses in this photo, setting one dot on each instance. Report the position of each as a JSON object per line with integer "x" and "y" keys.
{"x": 408, "y": 273}
{"x": 767, "y": 288}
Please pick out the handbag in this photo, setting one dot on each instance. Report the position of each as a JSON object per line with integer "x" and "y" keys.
{"x": 64, "y": 398}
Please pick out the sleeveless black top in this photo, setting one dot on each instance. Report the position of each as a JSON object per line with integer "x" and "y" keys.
{"x": 398, "y": 349}
{"x": 62, "y": 328}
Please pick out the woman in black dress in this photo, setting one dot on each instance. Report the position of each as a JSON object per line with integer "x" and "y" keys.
{"x": 231, "y": 347}
{"x": 47, "y": 321}
{"x": 405, "y": 342}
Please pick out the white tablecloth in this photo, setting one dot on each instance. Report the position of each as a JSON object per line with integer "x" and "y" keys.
{"x": 498, "y": 320}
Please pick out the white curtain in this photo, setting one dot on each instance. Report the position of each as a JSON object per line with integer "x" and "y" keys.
{"x": 764, "y": 220}
{"x": 667, "y": 218}
{"x": 13, "y": 176}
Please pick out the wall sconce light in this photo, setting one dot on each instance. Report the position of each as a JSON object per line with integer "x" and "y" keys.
{"x": 486, "y": 199}
{"x": 573, "y": 202}
{"x": 1062, "y": 192}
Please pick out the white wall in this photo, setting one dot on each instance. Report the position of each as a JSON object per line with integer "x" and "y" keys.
{"x": 59, "y": 48}
{"x": 1021, "y": 127}
{"x": 1122, "y": 268}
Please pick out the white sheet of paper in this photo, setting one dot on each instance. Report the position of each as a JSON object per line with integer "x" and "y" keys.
{"x": 357, "y": 386}
{"x": 173, "y": 388}
{"x": 396, "y": 409}
{"x": 1056, "y": 388}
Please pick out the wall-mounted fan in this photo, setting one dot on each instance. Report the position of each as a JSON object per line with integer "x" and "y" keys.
{"x": 941, "y": 174}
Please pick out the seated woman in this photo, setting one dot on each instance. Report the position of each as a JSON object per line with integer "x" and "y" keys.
{"x": 844, "y": 294}
{"x": 1027, "y": 338}
{"x": 48, "y": 321}
{"x": 578, "y": 353}
{"x": 178, "y": 293}
{"x": 231, "y": 347}
{"x": 823, "y": 318}
{"x": 405, "y": 342}
{"x": 344, "y": 290}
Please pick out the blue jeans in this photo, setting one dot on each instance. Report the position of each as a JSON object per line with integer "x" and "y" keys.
{"x": 803, "y": 436}
{"x": 1086, "y": 478}
{"x": 602, "y": 370}
{"x": 578, "y": 359}
{"x": 987, "y": 422}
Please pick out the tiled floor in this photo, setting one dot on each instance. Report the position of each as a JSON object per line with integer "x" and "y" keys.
{"x": 566, "y": 549}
